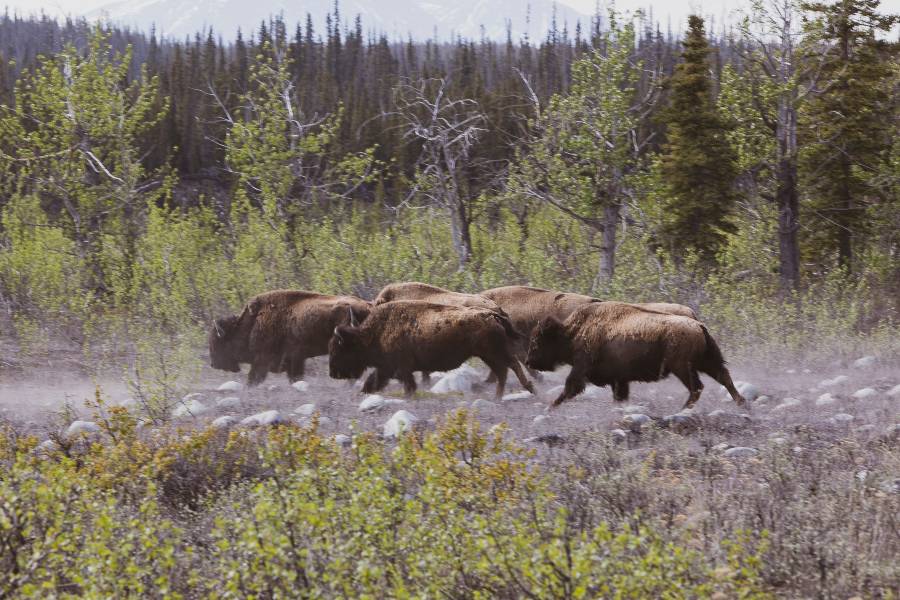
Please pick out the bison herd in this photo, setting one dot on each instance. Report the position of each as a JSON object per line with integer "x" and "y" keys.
{"x": 412, "y": 327}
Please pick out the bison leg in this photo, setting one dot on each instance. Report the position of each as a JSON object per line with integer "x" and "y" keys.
{"x": 408, "y": 381}
{"x": 516, "y": 366}
{"x": 296, "y": 368}
{"x": 258, "y": 372}
{"x": 621, "y": 390}
{"x": 375, "y": 382}
{"x": 688, "y": 376}
{"x": 426, "y": 378}
{"x": 575, "y": 384}
{"x": 724, "y": 377}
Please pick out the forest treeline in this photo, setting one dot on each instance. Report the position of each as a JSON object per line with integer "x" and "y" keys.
{"x": 150, "y": 184}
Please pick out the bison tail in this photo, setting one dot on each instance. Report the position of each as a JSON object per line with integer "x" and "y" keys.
{"x": 511, "y": 331}
{"x": 713, "y": 359}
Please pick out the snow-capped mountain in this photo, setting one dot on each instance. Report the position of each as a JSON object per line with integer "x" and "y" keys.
{"x": 397, "y": 18}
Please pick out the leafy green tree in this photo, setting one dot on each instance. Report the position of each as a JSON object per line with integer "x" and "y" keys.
{"x": 698, "y": 163}
{"x": 844, "y": 131}
{"x": 590, "y": 144}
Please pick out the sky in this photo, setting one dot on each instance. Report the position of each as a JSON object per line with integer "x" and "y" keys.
{"x": 665, "y": 11}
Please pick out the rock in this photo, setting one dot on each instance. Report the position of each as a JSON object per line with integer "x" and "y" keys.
{"x": 778, "y": 441}
{"x": 523, "y": 395}
{"x": 551, "y": 439}
{"x": 721, "y": 447}
{"x": 636, "y": 422}
{"x": 540, "y": 420}
{"x": 867, "y": 428}
{"x": 790, "y": 371}
{"x": 892, "y": 433}
{"x": 749, "y": 391}
{"x": 268, "y": 417}
{"x": 787, "y": 404}
{"x": 194, "y": 396}
{"x": 47, "y": 447}
{"x": 376, "y": 402}
{"x": 305, "y": 410}
{"x": 483, "y": 405}
{"x": 891, "y": 486}
{"x": 344, "y": 441}
{"x": 82, "y": 428}
{"x": 741, "y": 452}
{"x": 682, "y": 422}
{"x": 864, "y": 362}
{"x": 228, "y": 402}
{"x": 864, "y": 393}
{"x": 325, "y": 421}
{"x": 273, "y": 387}
{"x": 300, "y": 386}
{"x": 592, "y": 392}
{"x": 224, "y": 422}
{"x": 230, "y": 386}
{"x": 761, "y": 400}
{"x": 841, "y": 419}
{"x": 555, "y": 391}
{"x": 399, "y": 422}
{"x": 835, "y": 381}
{"x": 894, "y": 391}
{"x": 633, "y": 408}
{"x": 825, "y": 399}
{"x": 462, "y": 379}
{"x": 619, "y": 435}
{"x": 192, "y": 408}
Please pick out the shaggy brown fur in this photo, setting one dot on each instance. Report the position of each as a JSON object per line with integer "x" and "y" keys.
{"x": 607, "y": 342}
{"x": 401, "y": 337}
{"x": 413, "y": 290}
{"x": 527, "y": 306}
{"x": 278, "y": 330}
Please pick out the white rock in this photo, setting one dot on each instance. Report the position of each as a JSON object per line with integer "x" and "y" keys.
{"x": 555, "y": 391}
{"x": 825, "y": 399}
{"x": 189, "y": 409}
{"x": 841, "y": 418}
{"x": 376, "y": 402}
{"x": 722, "y": 447}
{"x": 461, "y": 379}
{"x": 633, "y": 408}
{"x": 636, "y": 421}
{"x": 230, "y": 386}
{"x": 741, "y": 452}
{"x": 834, "y": 381}
{"x": 592, "y": 392}
{"x": 228, "y": 402}
{"x": 344, "y": 441}
{"x": 790, "y": 371}
{"x": 864, "y": 362}
{"x": 779, "y": 441}
{"x": 305, "y": 410}
{"x": 273, "y": 387}
{"x": 495, "y": 428}
{"x": 864, "y": 393}
{"x": 540, "y": 420}
{"x": 399, "y": 422}
{"x": 224, "y": 422}
{"x": 325, "y": 421}
{"x": 806, "y": 371}
{"x": 619, "y": 435}
{"x": 268, "y": 417}
{"x": 523, "y": 395}
{"x": 895, "y": 391}
{"x": 762, "y": 399}
{"x": 787, "y": 404}
{"x": 194, "y": 396}
{"x": 483, "y": 405}
{"x": 749, "y": 391}
{"x": 82, "y": 428}
{"x": 47, "y": 446}
{"x": 300, "y": 386}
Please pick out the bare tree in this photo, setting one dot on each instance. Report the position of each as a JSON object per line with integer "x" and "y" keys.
{"x": 447, "y": 129}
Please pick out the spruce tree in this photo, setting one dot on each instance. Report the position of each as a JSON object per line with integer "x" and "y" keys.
{"x": 845, "y": 137}
{"x": 698, "y": 164}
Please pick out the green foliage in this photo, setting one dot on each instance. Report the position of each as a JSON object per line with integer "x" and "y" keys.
{"x": 698, "y": 162}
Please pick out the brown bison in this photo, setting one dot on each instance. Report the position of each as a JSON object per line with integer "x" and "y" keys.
{"x": 278, "y": 330}
{"x": 413, "y": 290}
{"x": 607, "y": 342}
{"x": 399, "y": 338}
{"x": 528, "y": 306}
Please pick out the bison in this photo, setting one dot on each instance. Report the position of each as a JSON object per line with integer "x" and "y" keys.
{"x": 607, "y": 342}
{"x": 401, "y": 337}
{"x": 413, "y": 290}
{"x": 527, "y": 306}
{"x": 278, "y": 330}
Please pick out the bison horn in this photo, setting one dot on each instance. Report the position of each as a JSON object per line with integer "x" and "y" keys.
{"x": 353, "y": 322}
{"x": 337, "y": 334}
{"x": 219, "y": 331}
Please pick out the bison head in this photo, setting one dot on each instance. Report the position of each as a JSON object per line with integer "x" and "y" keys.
{"x": 345, "y": 356}
{"x": 549, "y": 346}
{"x": 225, "y": 344}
